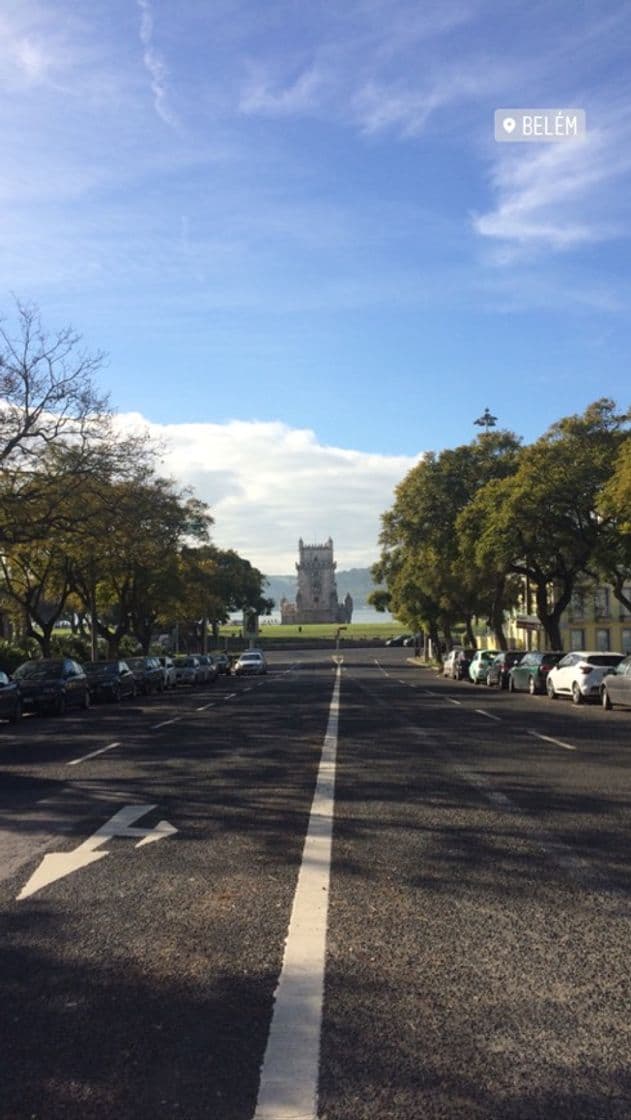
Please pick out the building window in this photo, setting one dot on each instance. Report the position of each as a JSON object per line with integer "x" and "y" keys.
{"x": 601, "y": 602}
{"x": 626, "y": 641}
{"x": 577, "y": 605}
{"x": 624, "y": 611}
{"x": 577, "y": 639}
{"x": 603, "y": 642}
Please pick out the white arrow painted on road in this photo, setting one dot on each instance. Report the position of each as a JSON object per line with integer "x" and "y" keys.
{"x": 58, "y": 864}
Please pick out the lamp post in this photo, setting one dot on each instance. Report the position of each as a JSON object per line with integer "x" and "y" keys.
{"x": 486, "y": 421}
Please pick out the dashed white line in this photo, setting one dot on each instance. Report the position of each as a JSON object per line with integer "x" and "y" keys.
{"x": 203, "y": 707}
{"x": 165, "y": 723}
{"x": 452, "y": 701}
{"x": 488, "y": 715}
{"x": 93, "y": 754}
{"x": 230, "y": 695}
{"x": 289, "y": 1077}
{"x": 549, "y": 739}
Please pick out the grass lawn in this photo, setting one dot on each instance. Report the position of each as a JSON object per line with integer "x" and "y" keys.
{"x": 379, "y": 630}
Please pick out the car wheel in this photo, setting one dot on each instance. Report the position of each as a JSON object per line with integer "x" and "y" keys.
{"x": 16, "y": 714}
{"x": 577, "y": 695}
{"x": 532, "y": 687}
{"x": 489, "y": 682}
{"x": 511, "y": 686}
{"x": 60, "y": 705}
{"x": 116, "y": 693}
{"x": 606, "y": 702}
{"x": 86, "y": 700}
{"x": 550, "y": 689}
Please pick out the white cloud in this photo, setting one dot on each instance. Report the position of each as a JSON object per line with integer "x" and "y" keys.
{"x": 298, "y": 97}
{"x": 268, "y": 484}
{"x": 156, "y": 67}
{"x": 553, "y": 196}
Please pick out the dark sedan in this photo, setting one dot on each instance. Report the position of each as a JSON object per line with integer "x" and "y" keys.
{"x": 53, "y": 684}
{"x": 531, "y": 673}
{"x": 148, "y": 674}
{"x": 500, "y": 667}
{"x": 10, "y": 699}
{"x": 110, "y": 680}
{"x": 616, "y": 685}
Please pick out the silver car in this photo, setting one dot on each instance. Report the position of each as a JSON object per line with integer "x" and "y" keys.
{"x": 252, "y": 661}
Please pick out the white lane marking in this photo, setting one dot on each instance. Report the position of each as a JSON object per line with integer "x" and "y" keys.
{"x": 380, "y": 666}
{"x": 93, "y": 754}
{"x": 205, "y": 706}
{"x": 549, "y": 739}
{"x": 289, "y": 1077}
{"x": 230, "y": 695}
{"x": 488, "y": 715}
{"x": 428, "y": 692}
{"x": 165, "y": 723}
{"x": 452, "y": 701}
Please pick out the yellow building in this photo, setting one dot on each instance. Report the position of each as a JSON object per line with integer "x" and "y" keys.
{"x": 594, "y": 620}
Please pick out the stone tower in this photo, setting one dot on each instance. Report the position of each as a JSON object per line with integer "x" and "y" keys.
{"x": 316, "y": 597}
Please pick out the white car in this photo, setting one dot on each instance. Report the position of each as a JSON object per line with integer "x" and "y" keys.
{"x": 579, "y": 674}
{"x": 252, "y": 661}
{"x": 480, "y": 662}
{"x": 186, "y": 670}
{"x": 168, "y": 671}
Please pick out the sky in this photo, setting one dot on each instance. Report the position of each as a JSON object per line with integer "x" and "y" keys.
{"x": 291, "y": 230}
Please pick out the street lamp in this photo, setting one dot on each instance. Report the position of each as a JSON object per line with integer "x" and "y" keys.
{"x": 486, "y": 421}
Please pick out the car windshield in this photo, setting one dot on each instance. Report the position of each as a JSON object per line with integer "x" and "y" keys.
{"x": 136, "y": 662}
{"x": 604, "y": 658}
{"x": 38, "y": 670}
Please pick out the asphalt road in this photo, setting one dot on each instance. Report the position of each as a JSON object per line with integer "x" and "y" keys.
{"x": 476, "y": 904}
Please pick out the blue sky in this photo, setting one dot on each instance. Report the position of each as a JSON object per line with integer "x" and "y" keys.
{"x": 290, "y": 222}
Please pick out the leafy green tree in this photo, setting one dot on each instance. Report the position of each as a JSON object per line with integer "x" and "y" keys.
{"x": 543, "y": 522}
{"x": 612, "y": 560}
{"x": 421, "y": 541}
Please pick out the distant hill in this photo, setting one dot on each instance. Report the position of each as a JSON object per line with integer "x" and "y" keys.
{"x": 356, "y": 581}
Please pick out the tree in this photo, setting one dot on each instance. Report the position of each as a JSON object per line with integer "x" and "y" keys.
{"x": 543, "y": 522}
{"x": 216, "y": 582}
{"x": 37, "y": 579}
{"x": 612, "y": 560}
{"x": 421, "y": 541}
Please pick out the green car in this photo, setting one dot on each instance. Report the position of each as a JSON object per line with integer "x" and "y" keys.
{"x": 531, "y": 672}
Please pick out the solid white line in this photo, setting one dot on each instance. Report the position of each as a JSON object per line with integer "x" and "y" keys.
{"x": 289, "y": 1076}
{"x": 548, "y": 739}
{"x": 93, "y": 754}
{"x": 165, "y": 723}
{"x": 488, "y": 715}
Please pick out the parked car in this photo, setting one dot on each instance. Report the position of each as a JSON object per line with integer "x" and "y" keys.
{"x": 500, "y": 666}
{"x": 479, "y": 665}
{"x": 111, "y": 680}
{"x": 148, "y": 674}
{"x": 187, "y": 670}
{"x": 616, "y": 685}
{"x": 399, "y": 640}
{"x": 531, "y": 673}
{"x": 10, "y": 698}
{"x": 252, "y": 661}
{"x": 53, "y": 684}
{"x": 459, "y": 661}
{"x": 168, "y": 672}
{"x": 223, "y": 662}
{"x": 208, "y": 662}
{"x": 449, "y": 663}
{"x": 580, "y": 674}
